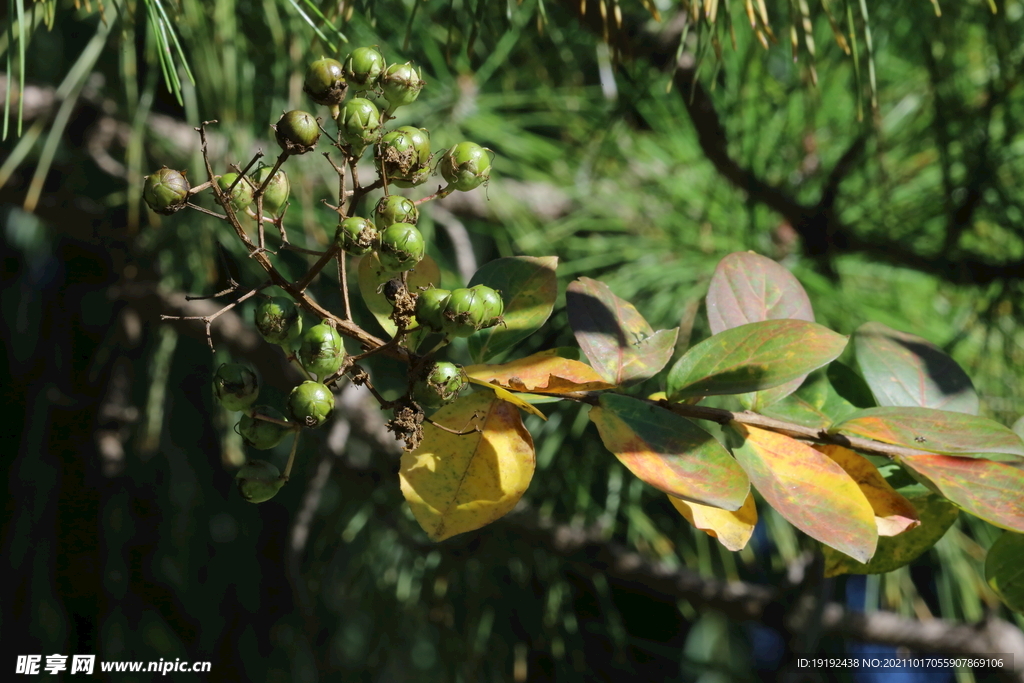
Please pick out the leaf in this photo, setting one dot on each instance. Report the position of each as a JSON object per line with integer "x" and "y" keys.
{"x": 528, "y": 287}
{"x": 987, "y": 489}
{"x": 733, "y": 529}
{"x": 753, "y": 357}
{"x": 893, "y": 513}
{"x": 540, "y": 373}
{"x": 456, "y": 484}
{"x": 936, "y": 431}
{"x": 795, "y": 409}
{"x": 371, "y": 276}
{"x": 1004, "y": 570}
{"x": 749, "y": 288}
{"x": 669, "y": 452}
{"x": 509, "y": 397}
{"x": 809, "y": 489}
{"x": 617, "y": 340}
{"x": 905, "y": 370}
{"x": 936, "y": 514}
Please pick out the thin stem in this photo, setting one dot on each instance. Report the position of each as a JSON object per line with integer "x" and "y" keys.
{"x": 343, "y": 279}
{"x": 441, "y": 193}
{"x": 291, "y": 456}
{"x": 208, "y": 319}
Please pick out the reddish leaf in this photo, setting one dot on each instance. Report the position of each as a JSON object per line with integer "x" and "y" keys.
{"x": 993, "y": 491}
{"x": 753, "y": 357}
{"x": 732, "y": 528}
{"x": 809, "y": 489}
{"x": 669, "y": 452}
{"x": 936, "y": 431}
{"x": 893, "y": 513}
{"x": 543, "y": 372}
{"x": 905, "y": 370}
{"x": 617, "y": 340}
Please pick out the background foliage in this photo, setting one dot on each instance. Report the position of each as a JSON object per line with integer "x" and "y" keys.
{"x": 122, "y": 522}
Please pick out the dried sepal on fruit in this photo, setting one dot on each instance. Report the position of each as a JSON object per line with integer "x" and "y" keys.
{"x": 297, "y": 132}
{"x": 277, "y": 320}
{"x": 325, "y": 81}
{"x": 166, "y": 191}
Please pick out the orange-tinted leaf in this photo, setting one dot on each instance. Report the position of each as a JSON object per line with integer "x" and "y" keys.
{"x": 809, "y": 489}
{"x": 457, "y": 483}
{"x": 991, "y": 490}
{"x": 749, "y": 288}
{"x": 617, "y": 340}
{"x": 893, "y": 513}
{"x": 529, "y": 287}
{"x": 371, "y": 276}
{"x": 669, "y": 452}
{"x": 906, "y": 370}
{"x": 936, "y": 431}
{"x": 1004, "y": 570}
{"x": 509, "y": 397}
{"x": 543, "y": 372}
{"x": 753, "y": 357}
{"x": 733, "y": 529}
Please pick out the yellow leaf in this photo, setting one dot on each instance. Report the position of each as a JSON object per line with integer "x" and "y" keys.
{"x": 508, "y": 396}
{"x": 457, "y": 483}
{"x": 894, "y": 514}
{"x": 543, "y": 372}
{"x": 733, "y": 529}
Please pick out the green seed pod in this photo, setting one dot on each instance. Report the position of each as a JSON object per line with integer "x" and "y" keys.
{"x": 262, "y": 434}
{"x": 395, "y": 209}
{"x": 363, "y": 68}
{"x": 430, "y": 304}
{"x": 493, "y": 306}
{"x": 401, "y": 247}
{"x": 278, "y": 321}
{"x": 258, "y": 481}
{"x": 401, "y": 84}
{"x": 466, "y": 166}
{"x": 325, "y": 81}
{"x": 278, "y": 189}
{"x": 166, "y": 191}
{"x": 297, "y": 132}
{"x": 464, "y": 313}
{"x": 241, "y": 196}
{"x": 358, "y": 124}
{"x": 404, "y": 156}
{"x": 357, "y": 236}
{"x": 235, "y": 386}
{"x": 441, "y": 384}
{"x": 321, "y": 351}
{"x": 311, "y": 404}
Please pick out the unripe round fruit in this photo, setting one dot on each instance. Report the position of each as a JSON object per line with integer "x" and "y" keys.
{"x": 311, "y": 404}
{"x": 401, "y": 84}
{"x": 466, "y": 166}
{"x": 241, "y": 196}
{"x": 493, "y": 305}
{"x": 278, "y": 189}
{"x": 404, "y": 155}
{"x": 363, "y": 68}
{"x": 262, "y": 434}
{"x": 358, "y": 124}
{"x": 321, "y": 351}
{"x": 430, "y": 304}
{"x": 258, "y": 481}
{"x": 464, "y": 313}
{"x": 278, "y": 321}
{"x": 441, "y": 384}
{"x": 235, "y": 386}
{"x": 357, "y": 236}
{"x": 394, "y": 209}
{"x": 325, "y": 81}
{"x": 401, "y": 247}
{"x": 297, "y": 132}
{"x": 166, "y": 191}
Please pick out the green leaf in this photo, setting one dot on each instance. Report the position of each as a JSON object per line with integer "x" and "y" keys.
{"x": 753, "y": 357}
{"x": 905, "y": 370}
{"x": 371, "y": 276}
{"x": 989, "y": 490}
{"x": 669, "y": 452}
{"x": 935, "y": 431}
{"x": 849, "y": 391}
{"x": 529, "y": 287}
{"x": 936, "y": 514}
{"x": 1004, "y": 570}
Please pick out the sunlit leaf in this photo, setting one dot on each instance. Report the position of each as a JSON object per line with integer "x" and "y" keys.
{"x": 987, "y": 489}
{"x": 669, "y": 452}
{"x": 809, "y": 489}
{"x": 457, "y": 483}
{"x": 1004, "y": 569}
{"x": 509, "y": 397}
{"x": 935, "y": 431}
{"x": 905, "y": 370}
{"x": 732, "y": 528}
{"x": 371, "y": 276}
{"x": 753, "y": 357}
{"x": 617, "y": 340}
{"x": 894, "y": 514}
{"x": 540, "y": 373}
{"x": 936, "y": 515}
{"x": 529, "y": 287}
